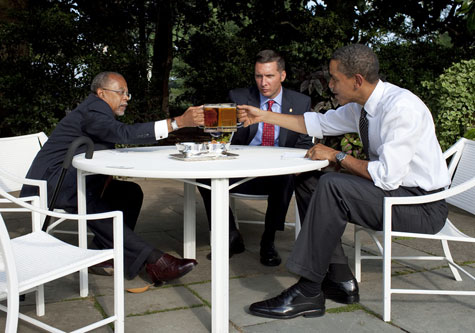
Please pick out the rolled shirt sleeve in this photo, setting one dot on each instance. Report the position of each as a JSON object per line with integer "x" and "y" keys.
{"x": 333, "y": 122}
{"x": 403, "y": 147}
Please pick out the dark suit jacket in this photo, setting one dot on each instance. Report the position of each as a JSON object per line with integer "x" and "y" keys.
{"x": 92, "y": 118}
{"x": 299, "y": 103}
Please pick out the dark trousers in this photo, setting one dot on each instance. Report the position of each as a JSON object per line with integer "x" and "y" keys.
{"x": 126, "y": 197}
{"x": 278, "y": 188}
{"x": 330, "y": 200}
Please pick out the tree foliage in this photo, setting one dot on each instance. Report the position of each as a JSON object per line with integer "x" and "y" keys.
{"x": 453, "y": 98}
{"x": 177, "y": 53}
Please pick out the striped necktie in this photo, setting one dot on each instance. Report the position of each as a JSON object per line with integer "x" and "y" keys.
{"x": 268, "y": 129}
{"x": 364, "y": 132}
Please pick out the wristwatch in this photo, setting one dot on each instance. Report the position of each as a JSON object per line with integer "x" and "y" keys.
{"x": 174, "y": 124}
{"x": 340, "y": 157}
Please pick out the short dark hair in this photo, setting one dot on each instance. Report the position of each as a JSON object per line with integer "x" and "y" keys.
{"x": 357, "y": 59}
{"x": 102, "y": 79}
{"x": 266, "y": 56}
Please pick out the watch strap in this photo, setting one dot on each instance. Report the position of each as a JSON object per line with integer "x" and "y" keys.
{"x": 340, "y": 157}
{"x": 173, "y": 124}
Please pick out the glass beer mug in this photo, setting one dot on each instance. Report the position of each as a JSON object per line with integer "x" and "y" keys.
{"x": 220, "y": 117}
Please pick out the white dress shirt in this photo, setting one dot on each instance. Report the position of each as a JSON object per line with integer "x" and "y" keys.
{"x": 161, "y": 129}
{"x": 276, "y": 107}
{"x": 403, "y": 147}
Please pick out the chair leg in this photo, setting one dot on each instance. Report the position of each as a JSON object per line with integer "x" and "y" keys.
{"x": 448, "y": 255}
{"x": 13, "y": 309}
{"x": 297, "y": 221}
{"x": 232, "y": 205}
{"x": 357, "y": 244}
{"x": 40, "y": 301}
{"x": 387, "y": 278}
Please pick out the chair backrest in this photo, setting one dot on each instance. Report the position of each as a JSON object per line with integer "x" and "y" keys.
{"x": 465, "y": 171}
{"x": 16, "y": 155}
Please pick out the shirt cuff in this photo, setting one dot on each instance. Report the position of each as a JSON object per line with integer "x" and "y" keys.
{"x": 312, "y": 123}
{"x": 161, "y": 129}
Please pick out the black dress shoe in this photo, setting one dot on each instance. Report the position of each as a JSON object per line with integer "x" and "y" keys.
{"x": 346, "y": 292}
{"x": 290, "y": 303}
{"x": 236, "y": 244}
{"x": 269, "y": 255}
{"x": 169, "y": 268}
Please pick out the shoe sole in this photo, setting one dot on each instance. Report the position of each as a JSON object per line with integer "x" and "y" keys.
{"x": 306, "y": 314}
{"x": 186, "y": 271}
{"x": 271, "y": 263}
{"x": 343, "y": 299}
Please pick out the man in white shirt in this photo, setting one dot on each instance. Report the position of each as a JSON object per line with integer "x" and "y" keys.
{"x": 404, "y": 159}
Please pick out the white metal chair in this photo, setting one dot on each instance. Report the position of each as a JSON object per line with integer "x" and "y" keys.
{"x": 241, "y": 196}
{"x": 16, "y": 155}
{"x": 31, "y": 260}
{"x": 461, "y": 194}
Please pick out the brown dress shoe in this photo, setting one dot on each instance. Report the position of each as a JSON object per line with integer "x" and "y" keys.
{"x": 169, "y": 268}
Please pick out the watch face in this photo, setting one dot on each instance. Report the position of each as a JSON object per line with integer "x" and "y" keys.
{"x": 340, "y": 156}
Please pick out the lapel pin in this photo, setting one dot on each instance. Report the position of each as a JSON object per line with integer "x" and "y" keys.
{"x": 290, "y": 110}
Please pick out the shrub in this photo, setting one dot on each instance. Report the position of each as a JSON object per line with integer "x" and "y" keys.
{"x": 452, "y": 101}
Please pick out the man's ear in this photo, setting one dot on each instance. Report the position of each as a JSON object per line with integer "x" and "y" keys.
{"x": 283, "y": 75}
{"x": 358, "y": 80}
{"x": 100, "y": 93}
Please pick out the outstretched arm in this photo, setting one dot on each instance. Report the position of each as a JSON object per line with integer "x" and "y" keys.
{"x": 193, "y": 116}
{"x": 249, "y": 115}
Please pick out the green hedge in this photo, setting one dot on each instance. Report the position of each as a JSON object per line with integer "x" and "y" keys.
{"x": 451, "y": 97}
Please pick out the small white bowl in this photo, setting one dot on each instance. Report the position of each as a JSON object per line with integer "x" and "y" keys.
{"x": 217, "y": 148}
{"x": 190, "y": 148}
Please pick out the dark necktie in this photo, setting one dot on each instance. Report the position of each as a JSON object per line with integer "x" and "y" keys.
{"x": 364, "y": 132}
{"x": 268, "y": 129}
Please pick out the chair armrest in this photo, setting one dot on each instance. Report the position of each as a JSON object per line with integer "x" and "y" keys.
{"x": 34, "y": 208}
{"x": 419, "y": 199}
{"x": 41, "y": 184}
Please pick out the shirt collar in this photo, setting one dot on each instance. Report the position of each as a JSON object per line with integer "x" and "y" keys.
{"x": 277, "y": 99}
{"x": 374, "y": 99}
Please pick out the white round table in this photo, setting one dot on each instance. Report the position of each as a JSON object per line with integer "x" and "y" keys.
{"x": 156, "y": 162}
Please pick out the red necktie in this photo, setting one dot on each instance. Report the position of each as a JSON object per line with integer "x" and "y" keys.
{"x": 268, "y": 130}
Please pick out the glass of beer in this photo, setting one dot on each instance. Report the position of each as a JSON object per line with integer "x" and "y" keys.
{"x": 220, "y": 117}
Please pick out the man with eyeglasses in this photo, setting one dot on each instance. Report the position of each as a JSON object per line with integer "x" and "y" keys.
{"x": 95, "y": 118}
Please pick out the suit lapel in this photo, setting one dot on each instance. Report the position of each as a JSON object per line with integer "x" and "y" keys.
{"x": 286, "y": 105}
{"x": 254, "y": 100}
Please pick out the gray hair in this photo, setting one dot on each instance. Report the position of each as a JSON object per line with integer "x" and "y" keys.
{"x": 101, "y": 80}
{"x": 266, "y": 56}
{"x": 357, "y": 59}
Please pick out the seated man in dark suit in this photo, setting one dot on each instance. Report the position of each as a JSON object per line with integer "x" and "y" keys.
{"x": 95, "y": 118}
{"x": 404, "y": 159}
{"x": 268, "y": 94}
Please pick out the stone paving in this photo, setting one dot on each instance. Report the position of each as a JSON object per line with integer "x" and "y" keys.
{"x": 184, "y": 305}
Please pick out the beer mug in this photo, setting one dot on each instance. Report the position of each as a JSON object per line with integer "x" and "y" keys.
{"x": 220, "y": 117}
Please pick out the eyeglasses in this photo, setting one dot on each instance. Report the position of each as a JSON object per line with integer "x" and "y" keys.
{"x": 121, "y": 92}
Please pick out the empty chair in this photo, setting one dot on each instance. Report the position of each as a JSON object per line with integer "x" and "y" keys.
{"x": 241, "y": 196}
{"x": 16, "y": 155}
{"x": 33, "y": 259}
